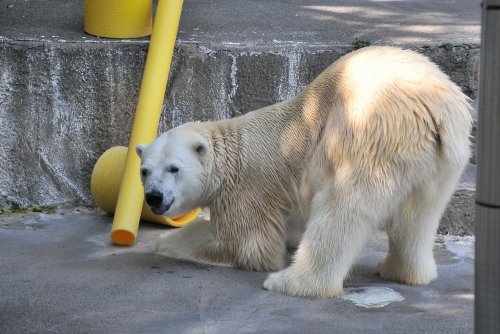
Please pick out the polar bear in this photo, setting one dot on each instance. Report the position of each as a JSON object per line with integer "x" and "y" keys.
{"x": 377, "y": 141}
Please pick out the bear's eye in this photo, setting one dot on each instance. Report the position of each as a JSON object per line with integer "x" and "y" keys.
{"x": 144, "y": 172}
{"x": 172, "y": 169}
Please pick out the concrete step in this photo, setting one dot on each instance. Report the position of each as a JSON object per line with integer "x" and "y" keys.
{"x": 66, "y": 97}
{"x": 459, "y": 217}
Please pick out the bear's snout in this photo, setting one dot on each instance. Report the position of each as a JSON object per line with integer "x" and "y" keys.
{"x": 154, "y": 198}
{"x": 158, "y": 202}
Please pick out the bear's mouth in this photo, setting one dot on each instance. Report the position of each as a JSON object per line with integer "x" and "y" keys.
{"x": 163, "y": 208}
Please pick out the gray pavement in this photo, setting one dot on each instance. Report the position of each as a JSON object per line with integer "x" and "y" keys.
{"x": 60, "y": 274}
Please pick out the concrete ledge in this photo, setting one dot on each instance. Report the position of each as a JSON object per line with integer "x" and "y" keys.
{"x": 459, "y": 216}
{"x": 64, "y": 104}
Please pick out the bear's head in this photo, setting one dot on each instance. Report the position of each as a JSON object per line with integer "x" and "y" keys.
{"x": 174, "y": 171}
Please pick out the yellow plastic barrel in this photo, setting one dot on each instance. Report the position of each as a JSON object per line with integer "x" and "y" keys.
{"x": 118, "y": 18}
{"x": 105, "y": 184}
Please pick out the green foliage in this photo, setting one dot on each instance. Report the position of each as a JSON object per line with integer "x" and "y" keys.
{"x": 361, "y": 43}
{"x": 14, "y": 208}
{"x": 447, "y": 46}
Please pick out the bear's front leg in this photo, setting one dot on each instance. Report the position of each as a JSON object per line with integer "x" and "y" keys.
{"x": 193, "y": 242}
{"x": 334, "y": 237}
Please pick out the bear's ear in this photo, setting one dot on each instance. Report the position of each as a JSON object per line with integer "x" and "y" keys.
{"x": 139, "y": 148}
{"x": 200, "y": 148}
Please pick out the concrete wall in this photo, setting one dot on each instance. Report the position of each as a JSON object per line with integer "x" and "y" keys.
{"x": 63, "y": 104}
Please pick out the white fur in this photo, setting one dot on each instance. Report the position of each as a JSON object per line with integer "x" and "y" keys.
{"x": 378, "y": 140}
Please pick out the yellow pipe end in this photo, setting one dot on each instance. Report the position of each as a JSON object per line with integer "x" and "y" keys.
{"x": 118, "y": 18}
{"x": 123, "y": 237}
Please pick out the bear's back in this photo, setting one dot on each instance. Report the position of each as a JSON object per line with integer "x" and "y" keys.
{"x": 389, "y": 105}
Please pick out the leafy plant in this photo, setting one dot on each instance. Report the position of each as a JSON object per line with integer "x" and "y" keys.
{"x": 447, "y": 46}
{"x": 14, "y": 208}
{"x": 361, "y": 43}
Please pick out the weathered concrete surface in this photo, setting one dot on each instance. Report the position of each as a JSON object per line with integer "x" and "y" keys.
{"x": 65, "y": 97}
{"x": 459, "y": 216}
{"x": 61, "y": 275}
{"x": 61, "y": 105}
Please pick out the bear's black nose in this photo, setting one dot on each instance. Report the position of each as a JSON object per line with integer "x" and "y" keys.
{"x": 154, "y": 198}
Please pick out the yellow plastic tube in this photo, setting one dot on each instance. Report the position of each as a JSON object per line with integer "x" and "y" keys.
{"x": 117, "y": 18}
{"x": 147, "y": 118}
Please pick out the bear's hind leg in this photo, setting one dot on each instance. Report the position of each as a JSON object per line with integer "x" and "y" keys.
{"x": 412, "y": 231}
